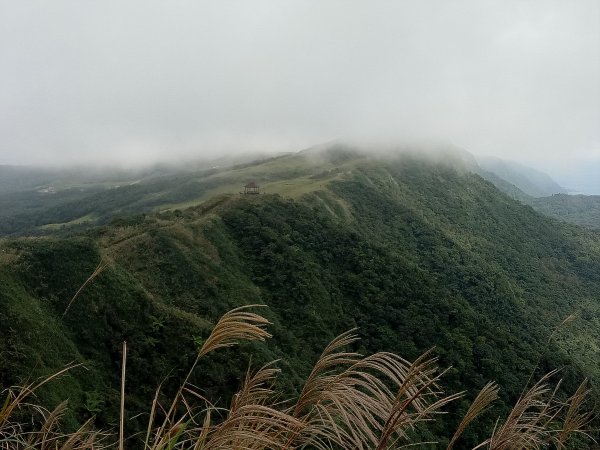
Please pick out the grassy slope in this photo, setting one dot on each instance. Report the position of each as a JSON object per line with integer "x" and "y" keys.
{"x": 81, "y": 202}
{"x": 414, "y": 254}
{"x": 78, "y": 205}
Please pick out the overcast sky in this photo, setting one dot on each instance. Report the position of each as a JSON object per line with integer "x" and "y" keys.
{"x": 129, "y": 81}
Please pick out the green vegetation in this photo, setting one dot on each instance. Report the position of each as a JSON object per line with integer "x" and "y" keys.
{"x": 348, "y": 401}
{"x": 582, "y": 210}
{"x": 413, "y": 253}
{"x": 539, "y": 191}
{"x": 74, "y": 205}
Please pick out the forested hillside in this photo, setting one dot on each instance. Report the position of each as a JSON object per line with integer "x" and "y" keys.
{"x": 416, "y": 253}
{"x": 530, "y": 181}
{"x": 582, "y": 210}
{"x": 539, "y": 191}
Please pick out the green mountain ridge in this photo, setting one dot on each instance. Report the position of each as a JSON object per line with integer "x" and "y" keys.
{"x": 530, "y": 181}
{"x": 582, "y": 210}
{"x": 415, "y": 252}
{"x": 539, "y": 191}
{"x": 41, "y": 201}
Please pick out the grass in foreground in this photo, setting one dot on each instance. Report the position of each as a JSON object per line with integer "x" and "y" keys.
{"x": 349, "y": 401}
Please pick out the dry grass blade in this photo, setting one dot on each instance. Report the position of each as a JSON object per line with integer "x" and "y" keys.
{"x": 15, "y": 436}
{"x": 251, "y": 422}
{"x": 351, "y": 402}
{"x": 569, "y": 319}
{"x": 99, "y": 269}
{"x": 565, "y": 322}
{"x": 330, "y": 358}
{"x": 206, "y": 427}
{"x": 152, "y": 415}
{"x": 487, "y": 395}
{"x": 252, "y": 426}
{"x": 257, "y": 388}
{"x": 122, "y": 409}
{"x": 79, "y": 439}
{"x": 234, "y": 326}
{"x": 348, "y": 402}
{"x": 418, "y": 398}
{"x": 14, "y": 400}
{"x": 527, "y": 425}
{"x": 51, "y": 424}
{"x": 576, "y": 419}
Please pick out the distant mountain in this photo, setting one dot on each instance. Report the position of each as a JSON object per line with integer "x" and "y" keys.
{"x": 33, "y": 199}
{"x": 583, "y": 179}
{"x": 530, "y": 181}
{"x": 508, "y": 188}
{"x": 582, "y": 210}
{"x": 42, "y": 201}
{"x": 540, "y": 191}
{"x": 20, "y": 178}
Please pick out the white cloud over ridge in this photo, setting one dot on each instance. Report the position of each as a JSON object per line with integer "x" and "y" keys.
{"x": 135, "y": 81}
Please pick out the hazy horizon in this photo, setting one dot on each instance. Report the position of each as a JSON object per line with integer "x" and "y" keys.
{"x": 137, "y": 82}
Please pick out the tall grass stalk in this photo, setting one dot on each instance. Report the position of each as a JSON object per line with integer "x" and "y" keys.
{"x": 349, "y": 401}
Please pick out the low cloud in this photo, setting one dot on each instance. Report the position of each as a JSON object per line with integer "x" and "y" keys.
{"x": 140, "y": 81}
